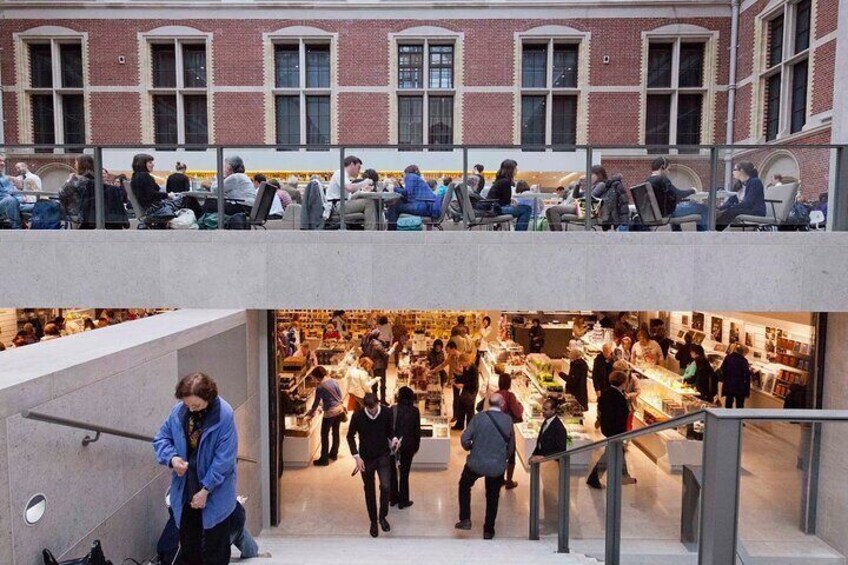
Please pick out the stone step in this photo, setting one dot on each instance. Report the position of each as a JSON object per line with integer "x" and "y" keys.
{"x": 410, "y": 551}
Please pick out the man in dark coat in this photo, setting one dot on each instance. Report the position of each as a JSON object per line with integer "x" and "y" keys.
{"x": 553, "y": 438}
{"x": 736, "y": 377}
{"x": 613, "y": 411}
{"x": 601, "y": 369}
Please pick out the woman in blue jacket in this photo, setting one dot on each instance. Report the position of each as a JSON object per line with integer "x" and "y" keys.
{"x": 418, "y": 198}
{"x": 199, "y": 442}
{"x": 753, "y": 201}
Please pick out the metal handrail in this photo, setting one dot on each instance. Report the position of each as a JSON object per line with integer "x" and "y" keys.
{"x": 98, "y": 430}
{"x": 721, "y": 462}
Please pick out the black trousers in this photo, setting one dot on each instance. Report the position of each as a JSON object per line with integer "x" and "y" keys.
{"x": 382, "y": 374}
{"x": 493, "y": 495}
{"x": 328, "y": 424}
{"x": 400, "y": 480}
{"x": 601, "y": 466}
{"x": 466, "y": 408}
{"x": 455, "y": 409}
{"x": 380, "y": 466}
{"x": 740, "y": 400}
{"x": 203, "y": 547}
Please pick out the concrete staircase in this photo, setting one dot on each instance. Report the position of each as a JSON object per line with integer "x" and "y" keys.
{"x": 409, "y": 551}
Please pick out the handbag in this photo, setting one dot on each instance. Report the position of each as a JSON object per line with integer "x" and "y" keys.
{"x": 343, "y": 416}
{"x": 185, "y": 220}
{"x": 95, "y": 557}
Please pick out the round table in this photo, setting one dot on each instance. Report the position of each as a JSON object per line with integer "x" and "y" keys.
{"x": 380, "y": 197}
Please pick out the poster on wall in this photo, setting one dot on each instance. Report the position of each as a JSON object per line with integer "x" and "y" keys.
{"x": 749, "y": 339}
{"x": 698, "y": 321}
{"x": 685, "y": 319}
{"x": 735, "y": 332}
{"x": 717, "y": 329}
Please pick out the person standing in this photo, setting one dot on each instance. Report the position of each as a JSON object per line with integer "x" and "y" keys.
{"x": 373, "y": 425}
{"x": 199, "y": 442}
{"x": 329, "y": 396}
{"x": 435, "y": 357}
{"x": 455, "y": 367}
{"x": 736, "y": 377}
{"x": 406, "y": 420}
{"x": 578, "y": 375}
{"x": 489, "y": 439}
{"x": 704, "y": 378}
{"x": 646, "y": 351}
{"x": 360, "y": 381}
{"x": 684, "y": 352}
{"x": 515, "y": 410}
{"x": 378, "y": 351}
{"x": 537, "y": 336}
{"x": 553, "y": 438}
{"x": 485, "y": 334}
{"x": 601, "y": 369}
{"x": 613, "y": 410}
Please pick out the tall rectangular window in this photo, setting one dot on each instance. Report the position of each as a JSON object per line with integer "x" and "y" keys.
{"x": 318, "y": 120}
{"x": 410, "y": 120}
{"x": 425, "y": 93}
{"x": 533, "y": 114}
{"x": 302, "y": 92}
{"x": 549, "y": 92}
{"x": 179, "y": 92}
{"x": 675, "y": 92}
{"x": 784, "y": 70}
{"x": 56, "y": 91}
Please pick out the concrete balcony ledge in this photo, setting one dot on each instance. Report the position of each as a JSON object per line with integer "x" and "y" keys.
{"x": 312, "y": 269}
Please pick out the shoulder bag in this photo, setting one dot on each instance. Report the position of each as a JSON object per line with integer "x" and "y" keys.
{"x": 497, "y": 427}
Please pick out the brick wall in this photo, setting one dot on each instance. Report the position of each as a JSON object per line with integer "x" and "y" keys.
{"x": 363, "y": 61}
{"x": 825, "y": 66}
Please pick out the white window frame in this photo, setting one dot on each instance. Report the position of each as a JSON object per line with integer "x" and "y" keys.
{"x": 176, "y": 34}
{"x": 553, "y": 35}
{"x": 301, "y": 36}
{"x": 54, "y": 36}
{"x": 180, "y": 90}
{"x": 302, "y": 90}
{"x": 426, "y": 91}
{"x": 549, "y": 90}
{"x": 426, "y": 36}
{"x": 788, "y": 9}
{"x": 675, "y": 90}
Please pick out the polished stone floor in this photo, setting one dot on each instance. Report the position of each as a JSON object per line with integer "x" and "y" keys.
{"x": 327, "y": 501}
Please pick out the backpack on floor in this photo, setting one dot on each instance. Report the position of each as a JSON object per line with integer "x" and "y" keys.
{"x": 95, "y": 557}
{"x": 47, "y": 215}
{"x": 410, "y": 223}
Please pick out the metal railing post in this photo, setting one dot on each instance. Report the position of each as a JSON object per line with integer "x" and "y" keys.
{"x": 712, "y": 197}
{"x": 99, "y": 197}
{"x": 534, "y": 501}
{"x": 219, "y": 175}
{"x": 465, "y": 167}
{"x": 837, "y": 215}
{"x": 564, "y": 509}
{"x": 342, "y": 189}
{"x": 587, "y": 189}
{"x": 612, "y": 549}
{"x": 722, "y": 459}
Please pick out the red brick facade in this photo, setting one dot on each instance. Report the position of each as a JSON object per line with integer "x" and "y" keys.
{"x": 614, "y": 101}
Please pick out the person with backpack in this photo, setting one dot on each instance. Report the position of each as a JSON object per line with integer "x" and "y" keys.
{"x": 672, "y": 200}
{"x": 489, "y": 439}
{"x": 615, "y": 205}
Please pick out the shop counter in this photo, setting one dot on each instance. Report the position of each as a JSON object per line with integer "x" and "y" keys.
{"x": 434, "y": 453}
{"x": 669, "y": 449}
{"x": 298, "y": 451}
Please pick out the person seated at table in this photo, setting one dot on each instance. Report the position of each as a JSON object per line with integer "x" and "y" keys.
{"x": 752, "y": 201}
{"x": 82, "y": 179}
{"x": 353, "y": 204}
{"x": 290, "y": 186}
{"x": 143, "y": 185}
{"x": 573, "y": 196}
{"x": 239, "y": 191}
{"x": 417, "y": 198}
{"x": 331, "y": 332}
{"x": 277, "y": 207}
{"x": 10, "y": 205}
{"x": 535, "y": 204}
{"x": 501, "y": 192}
{"x": 26, "y": 181}
{"x": 178, "y": 181}
{"x": 677, "y": 206}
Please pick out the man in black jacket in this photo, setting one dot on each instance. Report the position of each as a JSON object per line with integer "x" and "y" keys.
{"x": 553, "y": 438}
{"x": 373, "y": 424}
{"x": 613, "y": 411}
{"x": 407, "y": 427}
{"x": 601, "y": 369}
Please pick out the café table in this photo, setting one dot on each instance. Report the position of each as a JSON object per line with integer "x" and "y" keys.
{"x": 380, "y": 198}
